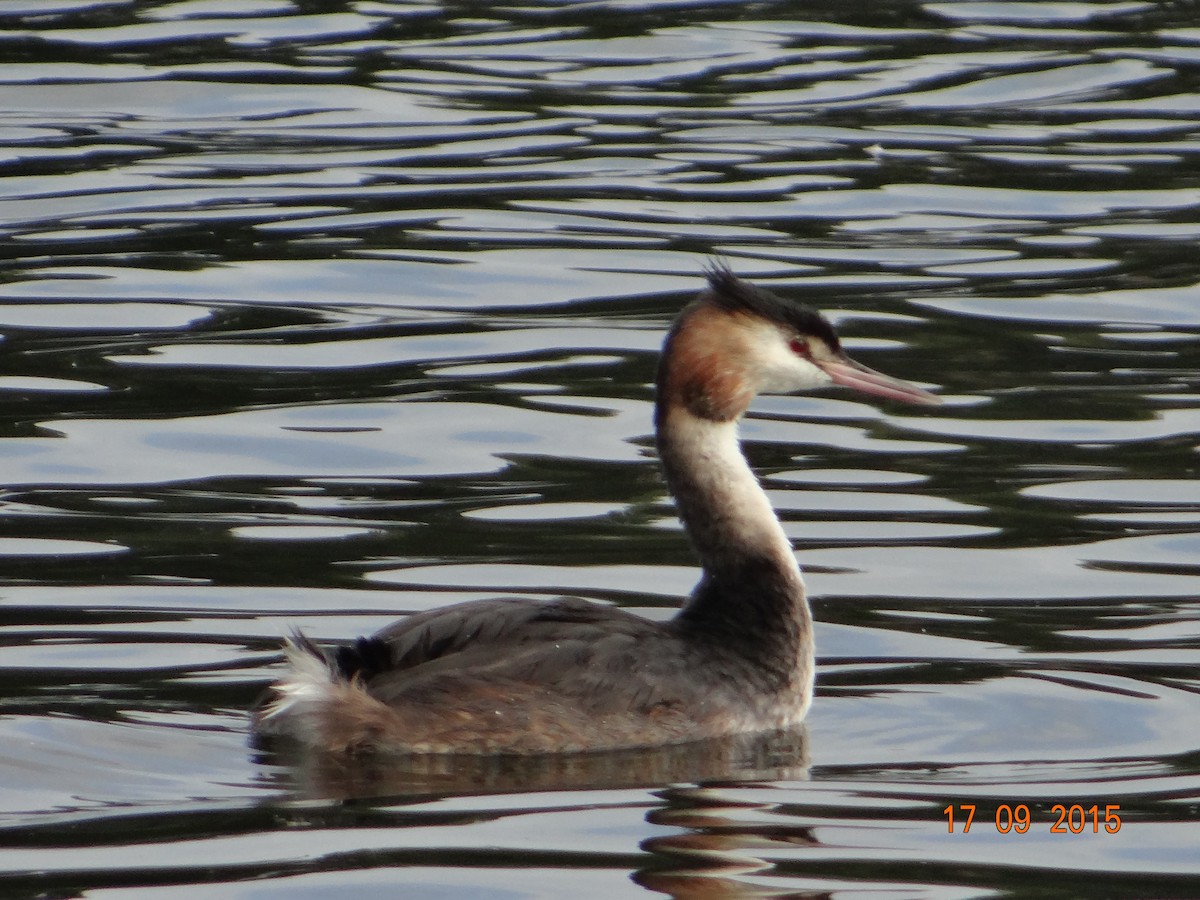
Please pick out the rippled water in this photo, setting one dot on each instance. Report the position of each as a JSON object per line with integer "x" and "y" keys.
{"x": 319, "y": 313}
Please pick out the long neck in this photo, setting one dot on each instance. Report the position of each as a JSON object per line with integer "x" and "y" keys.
{"x": 723, "y": 507}
{"x": 752, "y": 593}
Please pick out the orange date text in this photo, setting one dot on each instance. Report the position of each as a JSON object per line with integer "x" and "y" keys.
{"x": 1017, "y": 818}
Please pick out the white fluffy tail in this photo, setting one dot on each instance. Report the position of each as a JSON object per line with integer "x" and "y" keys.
{"x": 303, "y": 694}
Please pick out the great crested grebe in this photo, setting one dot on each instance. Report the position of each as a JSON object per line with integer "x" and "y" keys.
{"x": 526, "y": 677}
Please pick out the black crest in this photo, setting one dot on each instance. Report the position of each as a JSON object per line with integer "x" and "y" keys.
{"x": 731, "y": 293}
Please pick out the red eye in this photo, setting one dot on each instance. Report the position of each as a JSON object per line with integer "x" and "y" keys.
{"x": 799, "y": 346}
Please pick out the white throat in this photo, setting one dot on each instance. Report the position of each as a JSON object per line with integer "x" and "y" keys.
{"x": 722, "y": 505}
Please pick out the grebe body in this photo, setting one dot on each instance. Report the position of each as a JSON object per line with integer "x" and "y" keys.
{"x": 531, "y": 677}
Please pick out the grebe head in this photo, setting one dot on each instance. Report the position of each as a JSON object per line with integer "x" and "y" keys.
{"x": 736, "y": 340}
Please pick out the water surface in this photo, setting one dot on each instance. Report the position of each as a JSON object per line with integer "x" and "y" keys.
{"x": 318, "y": 314}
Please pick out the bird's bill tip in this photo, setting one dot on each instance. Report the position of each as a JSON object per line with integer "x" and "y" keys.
{"x": 847, "y": 373}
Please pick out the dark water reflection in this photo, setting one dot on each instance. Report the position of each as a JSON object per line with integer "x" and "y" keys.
{"x": 781, "y": 755}
{"x": 319, "y": 314}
